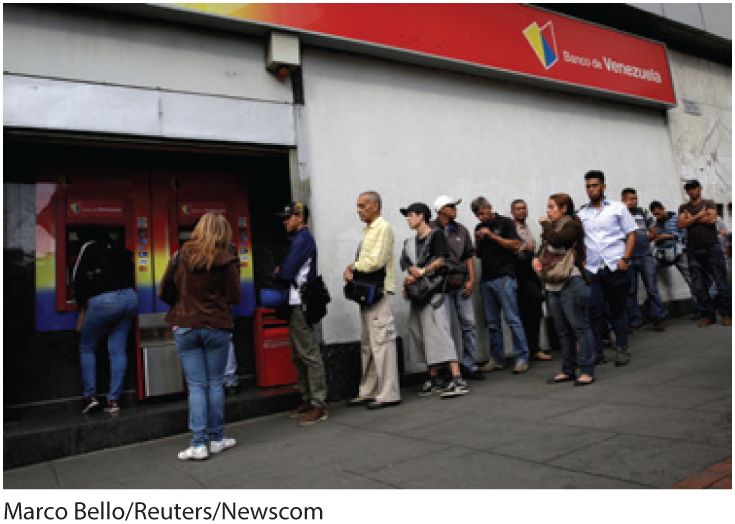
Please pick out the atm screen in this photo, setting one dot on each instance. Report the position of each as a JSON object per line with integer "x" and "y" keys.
{"x": 76, "y": 236}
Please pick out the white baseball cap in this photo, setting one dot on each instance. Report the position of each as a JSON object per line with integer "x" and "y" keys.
{"x": 445, "y": 200}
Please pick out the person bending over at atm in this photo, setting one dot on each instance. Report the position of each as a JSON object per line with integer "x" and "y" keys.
{"x": 103, "y": 279}
{"x": 208, "y": 283}
{"x": 299, "y": 266}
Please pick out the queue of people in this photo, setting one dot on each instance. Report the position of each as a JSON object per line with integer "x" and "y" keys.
{"x": 585, "y": 269}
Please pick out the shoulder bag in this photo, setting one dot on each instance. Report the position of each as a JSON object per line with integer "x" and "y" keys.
{"x": 169, "y": 292}
{"x": 366, "y": 288}
{"x": 557, "y": 267}
{"x": 425, "y": 288}
{"x": 314, "y": 299}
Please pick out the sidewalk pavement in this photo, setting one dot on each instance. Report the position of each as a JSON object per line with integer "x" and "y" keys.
{"x": 663, "y": 418}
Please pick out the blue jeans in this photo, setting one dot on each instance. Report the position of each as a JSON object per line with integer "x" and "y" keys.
{"x": 466, "y": 315}
{"x": 109, "y": 314}
{"x": 646, "y": 267}
{"x": 570, "y": 311}
{"x": 203, "y": 354}
{"x": 230, "y": 378}
{"x": 609, "y": 288}
{"x": 702, "y": 262}
{"x": 502, "y": 293}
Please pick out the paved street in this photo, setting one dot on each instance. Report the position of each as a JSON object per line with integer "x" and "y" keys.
{"x": 665, "y": 417}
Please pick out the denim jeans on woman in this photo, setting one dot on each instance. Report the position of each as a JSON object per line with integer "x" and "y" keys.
{"x": 109, "y": 314}
{"x": 570, "y": 311}
{"x": 203, "y": 354}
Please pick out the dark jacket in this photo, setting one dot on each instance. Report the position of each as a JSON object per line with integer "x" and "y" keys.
{"x": 101, "y": 269}
{"x": 303, "y": 248}
{"x": 205, "y": 298}
{"x": 571, "y": 232}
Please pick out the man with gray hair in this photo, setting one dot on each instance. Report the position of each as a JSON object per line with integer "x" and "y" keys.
{"x": 379, "y": 386}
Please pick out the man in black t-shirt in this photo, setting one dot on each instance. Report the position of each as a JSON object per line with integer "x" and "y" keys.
{"x": 496, "y": 242}
{"x": 705, "y": 254}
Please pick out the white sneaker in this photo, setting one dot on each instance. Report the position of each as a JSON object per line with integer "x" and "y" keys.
{"x": 194, "y": 453}
{"x": 221, "y": 445}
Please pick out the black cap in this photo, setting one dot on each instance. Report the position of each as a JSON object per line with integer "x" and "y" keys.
{"x": 417, "y": 207}
{"x": 691, "y": 184}
{"x": 294, "y": 208}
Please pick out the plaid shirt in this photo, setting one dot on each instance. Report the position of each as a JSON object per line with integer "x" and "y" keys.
{"x": 669, "y": 227}
{"x": 376, "y": 251}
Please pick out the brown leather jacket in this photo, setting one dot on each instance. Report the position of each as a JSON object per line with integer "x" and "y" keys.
{"x": 205, "y": 298}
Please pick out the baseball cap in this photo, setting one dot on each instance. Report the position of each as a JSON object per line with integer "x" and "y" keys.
{"x": 294, "y": 208}
{"x": 417, "y": 207}
{"x": 445, "y": 200}
{"x": 691, "y": 184}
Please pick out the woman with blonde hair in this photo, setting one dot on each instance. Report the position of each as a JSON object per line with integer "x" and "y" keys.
{"x": 207, "y": 279}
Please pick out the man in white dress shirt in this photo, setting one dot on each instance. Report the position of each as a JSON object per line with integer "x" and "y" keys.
{"x": 610, "y": 240}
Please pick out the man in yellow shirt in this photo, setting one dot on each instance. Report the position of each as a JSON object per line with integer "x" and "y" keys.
{"x": 379, "y": 387}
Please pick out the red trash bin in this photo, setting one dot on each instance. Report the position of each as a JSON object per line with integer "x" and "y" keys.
{"x": 273, "y": 365}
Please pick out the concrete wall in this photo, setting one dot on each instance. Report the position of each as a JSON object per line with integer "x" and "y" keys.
{"x": 412, "y": 134}
{"x": 84, "y": 44}
{"x": 715, "y": 18}
{"x": 703, "y": 143}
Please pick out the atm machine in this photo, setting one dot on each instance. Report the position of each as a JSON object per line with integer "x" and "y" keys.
{"x": 150, "y": 213}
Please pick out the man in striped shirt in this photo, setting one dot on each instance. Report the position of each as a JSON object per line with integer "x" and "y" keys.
{"x": 379, "y": 387}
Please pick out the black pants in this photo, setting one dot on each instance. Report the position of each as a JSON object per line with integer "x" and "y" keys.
{"x": 529, "y": 303}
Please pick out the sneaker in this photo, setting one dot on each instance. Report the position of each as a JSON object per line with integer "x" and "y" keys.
{"x": 455, "y": 389}
{"x": 600, "y": 358}
{"x": 520, "y": 367}
{"x": 474, "y": 375}
{"x": 492, "y": 366}
{"x": 659, "y": 326}
{"x": 194, "y": 453}
{"x": 299, "y": 411}
{"x": 314, "y": 416}
{"x": 429, "y": 389}
{"x": 218, "y": 446}
{"x": 622, "y": 357}
{"x": 727, "y": 321}
{"x": 113, "y": 406}
{"x": 90, "y": 403}
{"x": 706, "y": 321}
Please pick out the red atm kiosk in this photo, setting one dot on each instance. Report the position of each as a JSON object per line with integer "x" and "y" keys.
{"x": 150, "y": 213}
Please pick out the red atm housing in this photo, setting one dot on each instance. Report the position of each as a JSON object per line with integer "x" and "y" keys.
{"x": 273, "y": 365}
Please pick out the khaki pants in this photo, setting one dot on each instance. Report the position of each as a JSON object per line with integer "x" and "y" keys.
{"x": 307, "y": 358}
{"x": 378, "y": 347}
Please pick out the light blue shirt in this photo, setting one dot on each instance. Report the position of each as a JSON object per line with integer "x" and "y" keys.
{"x": 605, "y": 230}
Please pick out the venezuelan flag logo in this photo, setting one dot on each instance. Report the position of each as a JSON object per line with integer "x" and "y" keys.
{"x": 543, "y": 42}
{"x": 75, "y": 208}
{"x": 186, "y": 209}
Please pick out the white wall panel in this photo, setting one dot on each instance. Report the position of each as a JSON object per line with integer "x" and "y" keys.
{"x": 61, "y": 105}
{"x": 80, "y": 43}
{"x": 413, "y": 134}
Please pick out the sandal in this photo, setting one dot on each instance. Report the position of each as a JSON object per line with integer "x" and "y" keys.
{"x": 557, "y": 380}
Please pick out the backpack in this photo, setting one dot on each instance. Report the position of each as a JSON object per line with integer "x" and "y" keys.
{"x": 105, "y": 268}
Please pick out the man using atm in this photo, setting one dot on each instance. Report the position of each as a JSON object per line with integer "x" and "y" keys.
{"x": 299, "y": 266}
{"x": 103, "y": 277}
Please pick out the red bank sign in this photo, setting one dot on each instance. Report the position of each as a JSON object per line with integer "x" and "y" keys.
{"x": 509, "y": 38}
